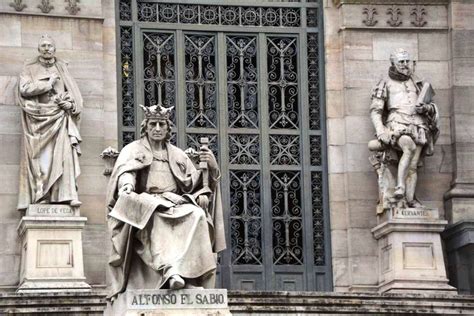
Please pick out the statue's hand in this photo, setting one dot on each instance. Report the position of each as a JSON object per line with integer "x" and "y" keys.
{"x": 127, "y": 188}
{"x": 66, "y": 105}
{"x": 53, "y": 79}
{"x": 385, "y": 137}
{"x": 206, "y": 155}
{"x": 422, "y": 108}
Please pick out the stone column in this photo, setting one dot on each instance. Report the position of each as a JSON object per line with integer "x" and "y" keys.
{"x": 459, "y": 200}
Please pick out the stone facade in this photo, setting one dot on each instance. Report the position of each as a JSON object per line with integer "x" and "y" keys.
{"x": 359, "y": 36}
{"x": 87, "y": 41}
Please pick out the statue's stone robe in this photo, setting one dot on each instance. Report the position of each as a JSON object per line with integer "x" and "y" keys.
{"x": 49, "y": 164}
{"x": 185, "y": 239}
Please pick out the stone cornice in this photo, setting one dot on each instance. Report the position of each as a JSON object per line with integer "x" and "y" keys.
{"x": 406, "y": 2}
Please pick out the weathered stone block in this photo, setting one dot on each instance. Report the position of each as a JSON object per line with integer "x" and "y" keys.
{"x": 11, "y": 34}
{"x": 463, "y": 43}
{"x": 462, "y": 97}
{"x": 463, "y": 128}
{"x": 336, "y": 131}
{"x": 358, "y": 45}
{"x": 94, "y": 268}
{"x": 339, "y": 243}
{"x": 338, "y": 215}
{"x": 11, "y": 152}
{"x": 362, "y": 184}
{"x": 340, "y": 272}
{"x": 336, "y": 159}
{"x": 91, "y": 181}
{"x": 87, "y": 35}
{"x": 8, "y": 212}
{"x": 334, "y": 104}
{"x": 10, "y": 244}
{"x": 361, "y": 242}
{"x": 91, "y": 148}
{"x": 385, "y": 43}
{"x": 10, "y": 175}
{"x": 443, "y": 98}
{"x": 8, "y": 87}
{"x": 364, "y": 270}
{"x": 357, "y": 101}
{"x": 364, "y": 74}
{"x": 84, "y": 63}
{"x": 361, "y": 213}
{"x": 462, "y": 15}
{"x": 32, "y": 27}
{"x": 359, "y": 129}
{"x": 433, "y": 46}
{"x": 435, "y": 72}
{"x": 462, "y": 71}
{"x": 357, "y": 158}
{"x": 337, "y": 186}
{"x": 93, "y": 207}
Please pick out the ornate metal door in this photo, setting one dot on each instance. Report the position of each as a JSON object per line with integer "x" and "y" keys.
{"x": 248, "y": 76}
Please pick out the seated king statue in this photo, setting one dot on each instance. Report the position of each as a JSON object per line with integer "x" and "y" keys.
{"x": 165, "y": 215}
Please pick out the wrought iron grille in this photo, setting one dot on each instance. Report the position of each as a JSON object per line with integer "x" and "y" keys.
{"x": 248, "y": 78}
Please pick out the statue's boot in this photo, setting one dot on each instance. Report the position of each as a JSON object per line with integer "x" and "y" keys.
{"x": 399, "y": 192}
{"x": 176, "y": 282}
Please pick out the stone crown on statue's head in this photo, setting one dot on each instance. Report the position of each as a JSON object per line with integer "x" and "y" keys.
{"x": 157, "y": 112}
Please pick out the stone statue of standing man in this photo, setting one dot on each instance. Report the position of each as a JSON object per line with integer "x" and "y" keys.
{"x": 406, "y": 125}
{"x": 51, "y": 106}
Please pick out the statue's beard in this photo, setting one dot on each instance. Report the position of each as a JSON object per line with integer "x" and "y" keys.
{"x": 402, "y": 75}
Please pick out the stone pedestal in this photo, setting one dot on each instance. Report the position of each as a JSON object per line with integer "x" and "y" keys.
{"x": 410, "y": 252}
{"x": 195, "y": 302}
{"x": 51, "y": 249}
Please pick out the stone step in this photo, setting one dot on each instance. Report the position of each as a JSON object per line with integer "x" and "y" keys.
{"x": 258, "y": 302}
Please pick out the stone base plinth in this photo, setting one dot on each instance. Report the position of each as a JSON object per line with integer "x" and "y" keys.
{"x": 411, "y": 256}
{"x": 51, "y": 250}
{"x": 208, "y": 302}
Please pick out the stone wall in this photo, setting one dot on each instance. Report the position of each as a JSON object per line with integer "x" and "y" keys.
{"x": 87, "y": 41}
{"x": 358, "y": 46}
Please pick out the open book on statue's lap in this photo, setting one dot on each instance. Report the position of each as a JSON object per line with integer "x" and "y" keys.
{"x": 136, "y": 209}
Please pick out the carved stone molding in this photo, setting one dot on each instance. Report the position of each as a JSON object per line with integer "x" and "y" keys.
{"x": 394, "y": 16}
{"x": 370, "y": 11}
{"x": 45, "y": 6}
{"x": 386, "y": 2}
{"x": 418, "y": 16}
{"x": 18, "y": 5}
{"x": 72, "y": 6}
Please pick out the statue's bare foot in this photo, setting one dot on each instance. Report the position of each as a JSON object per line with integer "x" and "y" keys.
{"x": 399, "y": 192}
{"x": 176, "y": 282}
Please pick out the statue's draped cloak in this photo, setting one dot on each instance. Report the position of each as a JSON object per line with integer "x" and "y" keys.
{"x": 130, "y": 259}
{"x": 50, "y": 138}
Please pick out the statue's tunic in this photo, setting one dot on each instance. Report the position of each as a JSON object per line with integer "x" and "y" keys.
{"x": 182, "y": 239}
{"x": 49, "y": 159}
{"x": 396, "y": 101}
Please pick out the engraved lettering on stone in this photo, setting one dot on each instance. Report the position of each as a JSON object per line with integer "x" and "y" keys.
{"x": 18, "y": 5}
{"x": 370, "y": 13}
{"x": 395, "y": 16}
{"x": 418, "y": 16}
{"x": 45, "y": 7}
